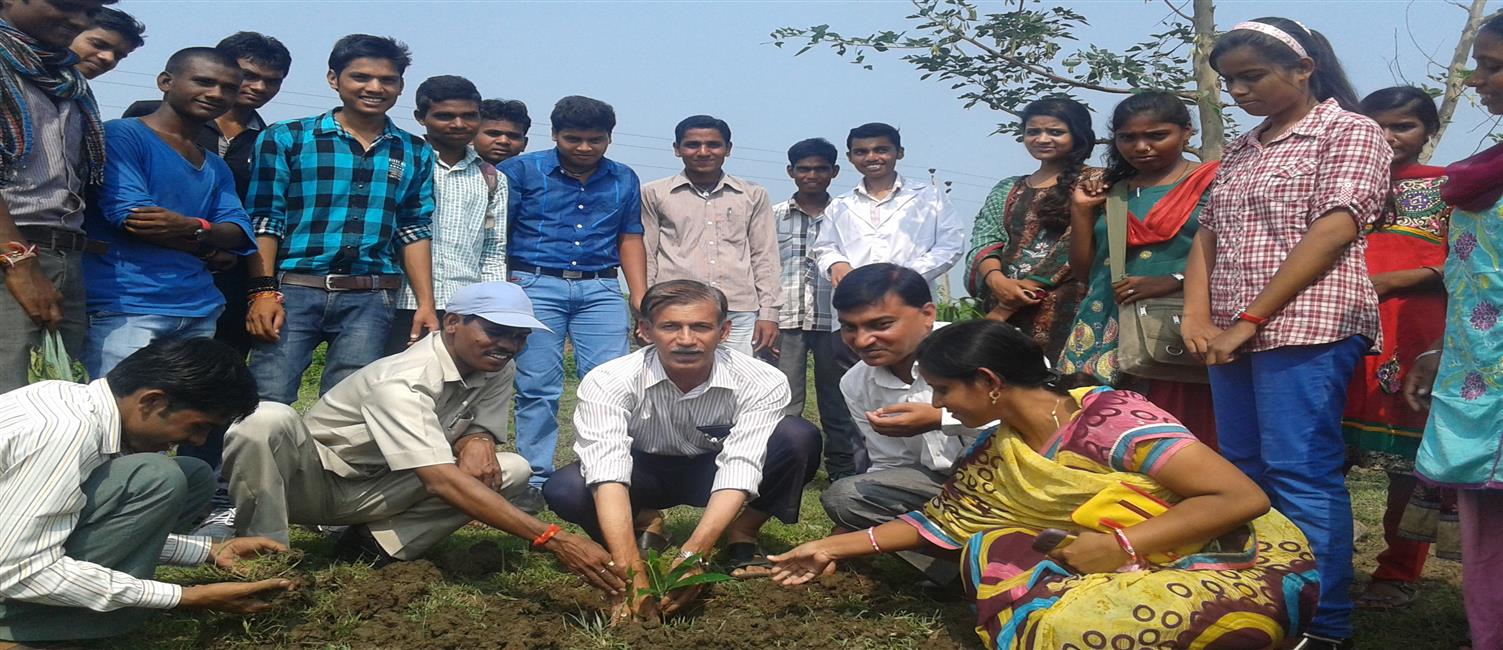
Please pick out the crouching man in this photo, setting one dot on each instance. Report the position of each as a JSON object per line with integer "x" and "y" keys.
{"x": 88, "y": 505}
{"x": 685, "y": 421}
{"x": 403, "y": 451}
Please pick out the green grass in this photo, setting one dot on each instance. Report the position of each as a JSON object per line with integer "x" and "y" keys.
{"x": 1436, "y": 620}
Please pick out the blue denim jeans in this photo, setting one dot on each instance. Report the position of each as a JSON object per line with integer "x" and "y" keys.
{"x": 113, "y": 336}
{"x": 743, "y": 325}
{"x": 1278, "y": 416}
{"x": 353, "y": 323}
{"x": 593, "y": 314}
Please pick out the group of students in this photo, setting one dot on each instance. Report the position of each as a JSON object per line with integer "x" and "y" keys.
{"x": 1015, "y": 453}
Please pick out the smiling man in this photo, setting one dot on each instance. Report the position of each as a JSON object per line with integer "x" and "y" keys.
{"x": 166, "y": 206}
{"x": 704, "y": 224}
{"x": 88, "y": 505}
{"x": 685, "y": 421}
{"x": 404, "y": 451}
{"x": 113, "y": 37}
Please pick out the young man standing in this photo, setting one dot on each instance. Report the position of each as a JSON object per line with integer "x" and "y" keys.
{"x": 503, "y": 130}
{"x": 113, "y": 37}
{"x": 469, "y": 199}
{"x": 575, "y": 220}
{"x": 806, "y": 316}
{"x": 335, "y": 199}
{"x": 54, "y": 148}
{"x": 885, "y": 311}
{"x": 704, "y": 224}
{"x": 165, "y": 208}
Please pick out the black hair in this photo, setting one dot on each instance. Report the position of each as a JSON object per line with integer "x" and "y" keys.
{"x": 701, "y": 122}
{"x": 582, "y": 113}
{"x": 813, "y": 148}
{"x": 1156, "y": 105}
{"x": 366, "y": 46}
{"x": 1408, "y": 99}
{"x": 182, "y": 58}
{"x": 871, "y": 284}
{"x": 1493, "y": 25}
{"x": 443, "y": 88}
{"x": 1327, "y": 82}
{"x": 959, "y": 351}
{"x": 511, "y": 110}
{"x": 259, "y": 49}
{"x": 121, "y": 23}
{"x": 199, "y": 374}
{"x": 874, "y": 130}
{"x": 682, "y": 292}
{"x": 1055, "y": 205}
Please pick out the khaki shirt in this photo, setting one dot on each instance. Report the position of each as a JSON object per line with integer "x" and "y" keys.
{"x": 404, "y": 411}
{"x": 728, "y": 240}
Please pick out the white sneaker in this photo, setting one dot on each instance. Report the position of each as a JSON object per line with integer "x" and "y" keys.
{"x": 219, "y": 525}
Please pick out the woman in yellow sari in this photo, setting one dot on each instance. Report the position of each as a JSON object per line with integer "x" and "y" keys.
{"x": 1168, "y": 544}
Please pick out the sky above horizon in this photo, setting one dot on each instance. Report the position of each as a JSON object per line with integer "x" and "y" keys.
{"x": 657, "y": 62}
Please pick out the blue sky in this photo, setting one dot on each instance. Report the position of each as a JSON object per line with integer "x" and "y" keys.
{"x": 658, "y": 62}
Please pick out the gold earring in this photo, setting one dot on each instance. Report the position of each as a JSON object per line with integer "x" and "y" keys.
{"x": 996, "y": 394}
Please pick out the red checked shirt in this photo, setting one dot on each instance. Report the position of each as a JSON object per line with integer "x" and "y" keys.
{"x": 1264, "y": 200}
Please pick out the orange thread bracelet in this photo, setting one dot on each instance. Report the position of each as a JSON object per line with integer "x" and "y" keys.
{"x": 547, "y": 535}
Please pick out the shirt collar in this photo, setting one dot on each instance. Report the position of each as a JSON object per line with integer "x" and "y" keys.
{"x": 470, "y": 156}
{"x": 887, "y": 379}
{"x": 1311, "y": 125}
{"x": 446, "y": 362}
{"x": 896, "y": 188}
{"x": 720, "y": 374}
{"x": 607, "y": 166}
{"x": 726, "y": 181}
{"x": 793, "y": 207}
{"x": 109, "y": 415}
{"x": 327, "y": 124}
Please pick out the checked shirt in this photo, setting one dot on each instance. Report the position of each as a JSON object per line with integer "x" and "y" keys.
{"x": 806, "y": 294}
{"x": 339, "y": 209}
{"x": 1263, "y": 202}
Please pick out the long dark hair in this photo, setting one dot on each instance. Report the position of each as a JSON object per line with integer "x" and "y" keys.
{"x": 960, "y": 350}
{"x": 1077, "y": 118}
{"x": 1408, "y": 99}
{"x": 1327, "y": 82}
{"x": 1158, "y": 106}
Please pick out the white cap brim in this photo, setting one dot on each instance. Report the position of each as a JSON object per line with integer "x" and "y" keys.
{"x": 514, "y": 319}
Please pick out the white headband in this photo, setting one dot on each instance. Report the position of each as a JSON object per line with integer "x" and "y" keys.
{"x": 1270, "y": 30}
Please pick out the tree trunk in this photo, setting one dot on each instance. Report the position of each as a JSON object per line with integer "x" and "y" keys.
{"x": 1454, "y": 74}
{"x": 1207, "y": 83}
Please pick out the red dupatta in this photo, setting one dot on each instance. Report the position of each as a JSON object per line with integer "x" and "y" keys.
{"x": 1167, "y": 216}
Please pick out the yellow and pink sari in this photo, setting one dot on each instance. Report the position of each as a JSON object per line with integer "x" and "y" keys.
{"x": 1247, "y": 589}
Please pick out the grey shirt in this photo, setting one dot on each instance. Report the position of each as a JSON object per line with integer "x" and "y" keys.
{"x": 46, "y": 186}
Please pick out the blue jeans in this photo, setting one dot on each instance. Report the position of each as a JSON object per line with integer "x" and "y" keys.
{"x": 1278, "y": 415}
{"x": 592, "y": 313}
{"x": 354, "y": 323}
{"x": 113, "y": 336}
{"x": 743, "y": 325}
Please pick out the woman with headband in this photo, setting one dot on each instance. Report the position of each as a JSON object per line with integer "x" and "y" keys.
{"x": 1277, "y": 298}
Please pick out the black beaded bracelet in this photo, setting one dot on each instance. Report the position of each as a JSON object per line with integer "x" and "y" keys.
{"x": 258, "y": 285}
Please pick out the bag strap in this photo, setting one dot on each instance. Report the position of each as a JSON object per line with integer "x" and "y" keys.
{"x": 1116, "y": 230}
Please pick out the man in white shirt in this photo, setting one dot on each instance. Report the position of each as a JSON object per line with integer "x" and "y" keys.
{"x": 885, "y": 311}
{"x": 404, "y": 450}
{"x": 88, "y": 504}
{"x": 685, "y": 421}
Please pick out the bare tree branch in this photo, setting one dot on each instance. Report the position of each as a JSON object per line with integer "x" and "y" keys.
{"x": 1456, "y": 73}
{"x": 1178, "y": 10}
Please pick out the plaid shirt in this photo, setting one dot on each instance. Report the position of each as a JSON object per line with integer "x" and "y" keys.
{"x": 1264, "y": 200}
{"x": 337, "y": 208}
{"x": 806, "y": 294}
{"x": 469, "y": 228}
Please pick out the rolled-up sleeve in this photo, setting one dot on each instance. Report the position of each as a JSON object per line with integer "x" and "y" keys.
{"x": 1353, "y": 172}
{"x": 266, "y": 197}
{"x": 403, "y": 421}
{"x": 758, "y": 410}
{"x": 601, "y": 438}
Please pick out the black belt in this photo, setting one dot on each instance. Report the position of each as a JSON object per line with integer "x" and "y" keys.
{"x": 62, "y": 240}
{"x": 343, "y": 282}
{"x": 567, "y": 275}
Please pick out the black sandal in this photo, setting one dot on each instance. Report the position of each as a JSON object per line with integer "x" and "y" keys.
{"x": 745, "y": 555}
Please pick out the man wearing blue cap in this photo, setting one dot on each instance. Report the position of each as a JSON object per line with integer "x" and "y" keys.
{"x": 403, "y": 451}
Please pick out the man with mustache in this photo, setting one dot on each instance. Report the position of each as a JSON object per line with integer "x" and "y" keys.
{"x": 166, "y": 207}
{"x": 885, "y": 311}
{"x": 684, "y": 421}
{"x": 403, "y": 451}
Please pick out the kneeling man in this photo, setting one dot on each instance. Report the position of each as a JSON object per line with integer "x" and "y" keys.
{"x": 89, "y": 505}
{"x": 685, "y": 421}
{"x": 885, "y": 311}
{"x": 404, "y": 450}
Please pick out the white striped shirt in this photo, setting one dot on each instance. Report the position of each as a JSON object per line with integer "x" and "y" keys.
{"x": 630, "y": 404}
{"x": 469, "y": 228}
{"x": 53, "y": 434}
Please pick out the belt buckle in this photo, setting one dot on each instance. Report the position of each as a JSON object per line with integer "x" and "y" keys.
{"x": 573, "y": 275}
{"x": 328, "y": 283}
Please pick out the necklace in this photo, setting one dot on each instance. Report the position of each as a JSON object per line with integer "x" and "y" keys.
{"x": 1055, "y": 413}
{"x": 1184, "y": 171}
{"x": 703, "y": 194}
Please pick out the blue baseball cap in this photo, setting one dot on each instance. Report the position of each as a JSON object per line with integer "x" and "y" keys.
{"x": 502, "y": 303}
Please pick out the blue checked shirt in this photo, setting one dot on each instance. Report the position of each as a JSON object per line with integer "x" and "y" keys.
{"x": 336, "y": 208}
{"x": 806, "y": 294}
{"x": 557, "y": 223}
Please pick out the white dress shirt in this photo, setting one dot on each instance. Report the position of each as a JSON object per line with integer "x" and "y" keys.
{"x": 53, "y": 434}
{"x": 629, "y": 403}
{"x": 868, "y": 388}
{"x": 913, "y": 226}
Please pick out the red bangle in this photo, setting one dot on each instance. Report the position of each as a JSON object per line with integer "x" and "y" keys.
{"x": 547, "y": 535}
{"x": 1255, "y": 320}
{"x": 204, "y": 223}
{"x": 1126, "y": 544}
